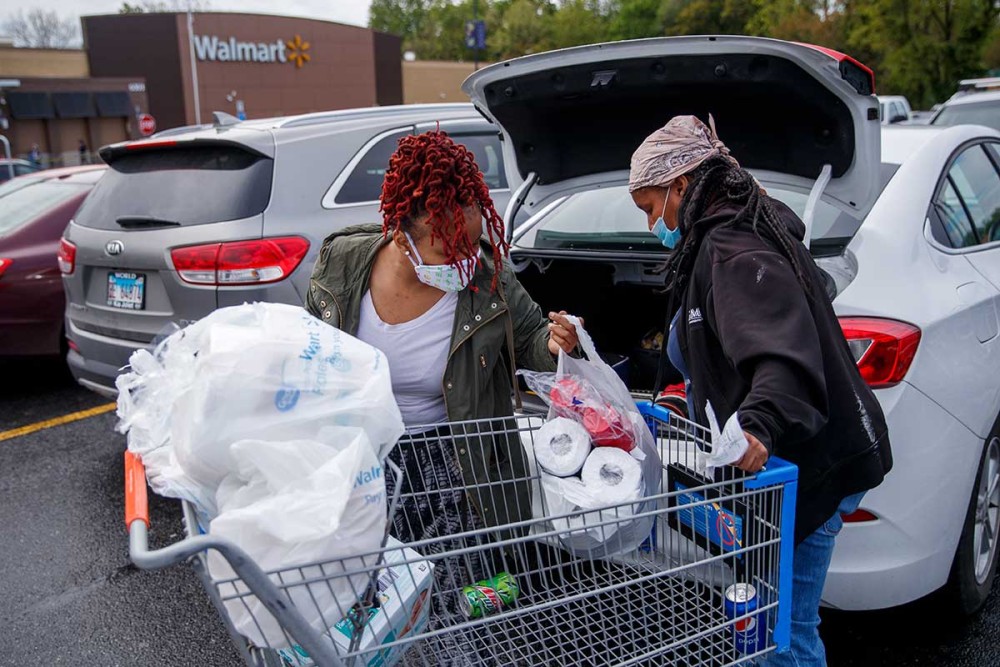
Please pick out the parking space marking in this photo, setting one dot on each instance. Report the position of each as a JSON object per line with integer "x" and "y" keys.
{"x": 57, "y": 421}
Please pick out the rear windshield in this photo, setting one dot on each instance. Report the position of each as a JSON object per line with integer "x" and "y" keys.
{"x": 978, "y": 113}
{"x": 607, "y": 219}
{"x": 179, "y": 187}
{"x": 21, "y": 206}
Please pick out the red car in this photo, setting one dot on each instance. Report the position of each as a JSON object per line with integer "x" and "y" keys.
{"x": 34, "y": 212}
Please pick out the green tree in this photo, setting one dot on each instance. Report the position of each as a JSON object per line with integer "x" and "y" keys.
{"x": 634, "y": 19}
{"x": 706, "y": 17}
{"x": 578, "y": 22}
{"x": 398, "y": 17}
{"x": 921, "y": 48}
{"x": 526, "y": 27}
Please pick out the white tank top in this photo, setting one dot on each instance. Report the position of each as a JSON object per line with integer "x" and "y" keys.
{"x": 418, "y": 353}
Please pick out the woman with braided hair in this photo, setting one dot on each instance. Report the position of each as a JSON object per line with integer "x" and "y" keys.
{"x": 753, "y": 332}
{"x": 446, "y": 309}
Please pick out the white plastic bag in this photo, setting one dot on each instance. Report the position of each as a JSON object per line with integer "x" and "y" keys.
{"x": 295, "y": 503}
{"x": 728, "y": 445}
{"x": 258, "y": 371}
{"x": 584, "y": 387}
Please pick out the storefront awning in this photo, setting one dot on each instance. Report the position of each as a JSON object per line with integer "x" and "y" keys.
{"x": 73, "y": 105}
{"x": 113, "y": 104}
{"x": 30, "y": 106}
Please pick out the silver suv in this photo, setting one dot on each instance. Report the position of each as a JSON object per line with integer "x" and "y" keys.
{"x": 200, "y": 218}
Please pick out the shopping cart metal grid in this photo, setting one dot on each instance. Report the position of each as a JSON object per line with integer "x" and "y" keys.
{"x": 658, "y": 603}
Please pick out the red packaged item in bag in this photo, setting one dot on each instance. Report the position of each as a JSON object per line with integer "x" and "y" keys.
{"x": 566, "y": 400}
{"x": 607, "y": 429}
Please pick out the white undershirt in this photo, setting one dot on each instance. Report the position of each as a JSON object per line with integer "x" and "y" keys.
{"x": 418, "y": 353}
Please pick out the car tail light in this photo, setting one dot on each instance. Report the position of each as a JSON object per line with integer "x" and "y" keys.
{"x": 858, "y": 516}
{"x": 143, "y": 144}
{"x": 66, "y": 257}
{"x": 4, "y": 263}
{"x": 241, "y": 262}
{"x": 72, "y": 345}
{"x": 883, "y": 349}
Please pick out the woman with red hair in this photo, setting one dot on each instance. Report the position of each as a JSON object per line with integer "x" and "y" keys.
{"x": 439, "y": 300}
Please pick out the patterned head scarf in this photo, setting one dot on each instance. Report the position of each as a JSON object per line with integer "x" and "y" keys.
{"x": 673, "y": 150}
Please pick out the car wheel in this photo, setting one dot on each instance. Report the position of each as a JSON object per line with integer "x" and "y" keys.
{"x": 975, "y": 563}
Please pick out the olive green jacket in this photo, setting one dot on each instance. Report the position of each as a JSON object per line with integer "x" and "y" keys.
{"x": 490, "y": 327}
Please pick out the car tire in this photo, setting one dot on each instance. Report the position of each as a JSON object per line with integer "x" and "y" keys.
{"x": 975, "y": 564}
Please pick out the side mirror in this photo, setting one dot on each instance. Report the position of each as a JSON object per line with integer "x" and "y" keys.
{"x": 897, "y": 118}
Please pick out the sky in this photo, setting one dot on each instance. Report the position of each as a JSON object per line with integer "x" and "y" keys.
{"x": 354, "y": 12}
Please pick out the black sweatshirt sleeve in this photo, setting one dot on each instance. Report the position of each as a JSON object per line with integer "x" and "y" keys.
{"x": 767, "y": 330}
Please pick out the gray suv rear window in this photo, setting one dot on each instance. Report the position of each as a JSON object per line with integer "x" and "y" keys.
{"x": 179, "y": 186}
{"x": 365, "y": 182}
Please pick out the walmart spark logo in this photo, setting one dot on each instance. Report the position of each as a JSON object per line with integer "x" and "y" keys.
{"x": 297, "y": 51}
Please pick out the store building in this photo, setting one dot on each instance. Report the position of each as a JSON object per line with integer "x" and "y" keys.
{"x": 140, "y": 65}
{"x": 250, "y": 64}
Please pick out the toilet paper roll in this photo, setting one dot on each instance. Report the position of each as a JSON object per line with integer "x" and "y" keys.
{"x": 611, "y": 476}
{"x": 561, "y": 447}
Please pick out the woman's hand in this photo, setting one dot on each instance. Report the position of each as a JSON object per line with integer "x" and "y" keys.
{"x": 755, "y": 457}
{"x": 562, "y": 334}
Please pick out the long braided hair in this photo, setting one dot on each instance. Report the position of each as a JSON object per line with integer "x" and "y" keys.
{"x": 719, "y": 180}
{"x": 430, "y": 173}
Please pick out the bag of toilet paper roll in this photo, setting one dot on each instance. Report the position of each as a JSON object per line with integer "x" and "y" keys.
{"x": 290, "y": 504}
{"x": 262, "y": 371}
{"x": 561, "y": 447}
{"x": 604, "y": 391}
{"x": 594, "y": 512}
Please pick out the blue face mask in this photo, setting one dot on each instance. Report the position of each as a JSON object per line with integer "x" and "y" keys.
{"x": 668, "y": 237}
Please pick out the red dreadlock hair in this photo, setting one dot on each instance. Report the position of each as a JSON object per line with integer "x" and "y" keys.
{"x": 430, "y": 173}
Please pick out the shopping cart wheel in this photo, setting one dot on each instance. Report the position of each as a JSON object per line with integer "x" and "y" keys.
{"x": 975, "y": 562}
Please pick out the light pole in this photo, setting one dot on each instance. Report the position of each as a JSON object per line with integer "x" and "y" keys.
{"x": 194, "y": 67}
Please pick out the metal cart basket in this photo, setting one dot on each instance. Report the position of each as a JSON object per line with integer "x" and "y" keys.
{"x": 711, "y": 585}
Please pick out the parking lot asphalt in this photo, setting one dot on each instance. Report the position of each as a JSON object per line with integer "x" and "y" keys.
{"x": 69, "y": 596}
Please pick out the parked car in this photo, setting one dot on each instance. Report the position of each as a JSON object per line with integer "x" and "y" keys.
{"x": 34, "y": 211}
{"x": 975, "y": 108}
{"x": 20, "y": 168}
{"x": 905, "y": 230}
{"x": 894, "y": 109}
{"x": 198, "y": 219}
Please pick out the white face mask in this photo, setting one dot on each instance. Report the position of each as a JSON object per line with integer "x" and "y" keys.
{"x": 445, "y": 277}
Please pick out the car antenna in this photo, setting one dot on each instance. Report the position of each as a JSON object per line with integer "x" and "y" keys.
{"x": 223, "y": 119}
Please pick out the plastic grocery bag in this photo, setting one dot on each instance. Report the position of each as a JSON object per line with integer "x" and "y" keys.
{"x": 298, "y": 503}
{"x": 728, "y": 444}
{"x": 258, "y": 371}
{"x": 591, "y": 392}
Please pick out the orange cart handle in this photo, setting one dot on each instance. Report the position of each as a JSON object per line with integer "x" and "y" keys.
{"x": 136, "y": 503}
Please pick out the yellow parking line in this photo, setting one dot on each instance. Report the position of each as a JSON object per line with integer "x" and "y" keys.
{"x": 58, "y": 421}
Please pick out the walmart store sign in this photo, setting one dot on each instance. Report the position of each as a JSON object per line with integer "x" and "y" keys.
{"x": 213, "y": 48}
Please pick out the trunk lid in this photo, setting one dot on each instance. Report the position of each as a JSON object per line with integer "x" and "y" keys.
{"x": 572, "y": 118}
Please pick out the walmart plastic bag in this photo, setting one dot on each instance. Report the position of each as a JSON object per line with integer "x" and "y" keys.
{"x": 729, "y": 444}
{"x": 296, "y": 503}
{"x": 258, "y": 371}
{"x": 591, "y": 392}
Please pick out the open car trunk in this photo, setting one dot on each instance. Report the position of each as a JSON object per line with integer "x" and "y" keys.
{"x": 619, "y": 315}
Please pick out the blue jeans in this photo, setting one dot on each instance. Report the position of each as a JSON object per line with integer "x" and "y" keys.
{"x": 809, "y": 566}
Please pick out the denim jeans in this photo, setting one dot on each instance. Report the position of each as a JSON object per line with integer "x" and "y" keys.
{"x": 809, "y": 566}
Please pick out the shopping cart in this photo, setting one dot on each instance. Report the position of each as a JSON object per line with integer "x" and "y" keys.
{"x": 661, "y": 603}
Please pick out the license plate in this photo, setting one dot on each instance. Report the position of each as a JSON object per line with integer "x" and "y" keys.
{"x": 126, "y": 290}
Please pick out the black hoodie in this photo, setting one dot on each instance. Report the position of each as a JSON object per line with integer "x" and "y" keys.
{"x": 755, "y": 341}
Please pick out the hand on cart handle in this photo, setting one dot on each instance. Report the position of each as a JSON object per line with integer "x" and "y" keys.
{"x": 136, "y": 502}
{"x": 755, "y": 457}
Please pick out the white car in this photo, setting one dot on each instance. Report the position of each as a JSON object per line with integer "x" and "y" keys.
{"x": 970, "y": 107}
{"x": 894, "y": 109}
{"x": 903, "y": 220}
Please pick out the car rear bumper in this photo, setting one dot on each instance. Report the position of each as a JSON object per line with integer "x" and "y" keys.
{"x": 97, "y": 360}
{"x": 921, "y": 506}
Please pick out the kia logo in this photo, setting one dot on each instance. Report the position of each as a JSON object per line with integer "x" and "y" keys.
{"x": 114, "y": 248}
